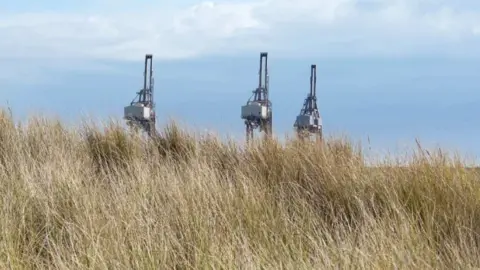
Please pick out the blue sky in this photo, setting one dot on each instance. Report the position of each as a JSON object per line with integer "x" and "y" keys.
{"x": 392, "y": 70}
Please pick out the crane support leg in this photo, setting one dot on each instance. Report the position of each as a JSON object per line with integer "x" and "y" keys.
{"x": 249, "y": 131}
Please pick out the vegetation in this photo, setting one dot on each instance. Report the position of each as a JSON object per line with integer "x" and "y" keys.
{"x": 108, "y": 199}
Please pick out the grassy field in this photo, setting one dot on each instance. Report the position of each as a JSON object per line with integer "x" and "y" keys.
{"x": 94, "y": 198}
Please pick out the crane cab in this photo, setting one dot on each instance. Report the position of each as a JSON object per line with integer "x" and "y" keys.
{"x": 254, "y": 110}
{"x": 308, "y": 121}
{"x": 137, "y": 111}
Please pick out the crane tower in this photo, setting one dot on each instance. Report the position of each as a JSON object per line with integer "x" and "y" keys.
{"x": 309, "y": 122}
{"x": 257, "y": 113}
{"x": 141, "y": 111}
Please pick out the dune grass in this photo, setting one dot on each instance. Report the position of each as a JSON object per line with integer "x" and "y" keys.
{"x": 95, "y": 198}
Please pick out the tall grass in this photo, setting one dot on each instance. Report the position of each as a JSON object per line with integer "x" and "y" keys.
{"x": 95, "y": 198}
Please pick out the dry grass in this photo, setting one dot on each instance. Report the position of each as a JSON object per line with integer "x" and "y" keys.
{"x": 107, "y": 199}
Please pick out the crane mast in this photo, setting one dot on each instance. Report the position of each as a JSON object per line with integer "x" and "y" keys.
{"x": 309, "y": 121}
{"x": 257, "y": 113}
{"x": 141, "y": 111}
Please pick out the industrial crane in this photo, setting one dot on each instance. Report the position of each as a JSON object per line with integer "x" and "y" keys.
{"x": 141, "y": 111}
{"x": 257, "y": 113}
{"x": 309, "y": 122}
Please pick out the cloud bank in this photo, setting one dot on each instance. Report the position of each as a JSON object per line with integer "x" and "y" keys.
{"x": 286, "y": 27}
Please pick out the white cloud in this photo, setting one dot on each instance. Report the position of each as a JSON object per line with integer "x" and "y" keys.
{"x": 326, "y": 27}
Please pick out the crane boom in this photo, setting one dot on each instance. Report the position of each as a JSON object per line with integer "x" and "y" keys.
{"x": 261, "y": 94}
{"x": 313, "y": 81}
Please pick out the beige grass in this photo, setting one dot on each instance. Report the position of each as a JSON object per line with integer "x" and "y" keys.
{"x": 95, "y": 199}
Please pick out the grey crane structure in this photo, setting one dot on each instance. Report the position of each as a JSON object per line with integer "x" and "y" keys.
{"x": 257, "y": 112}
{"x": 141, "y": 111}
{"x": 309, "y": 122}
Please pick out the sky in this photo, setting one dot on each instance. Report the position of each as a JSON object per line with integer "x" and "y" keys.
{"x": 387, "y": 70}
